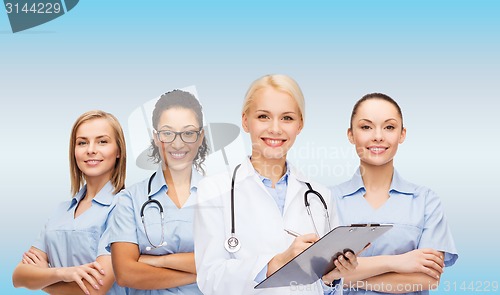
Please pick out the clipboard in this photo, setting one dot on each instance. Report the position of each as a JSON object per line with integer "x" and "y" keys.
{"x": 317, "y": 260}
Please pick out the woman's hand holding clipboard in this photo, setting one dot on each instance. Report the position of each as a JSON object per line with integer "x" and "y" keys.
{"x": 314, "y": 258}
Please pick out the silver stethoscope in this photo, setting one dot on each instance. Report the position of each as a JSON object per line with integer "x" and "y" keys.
{"x": 232, "y": 244}
{"x": 160, "y": 208}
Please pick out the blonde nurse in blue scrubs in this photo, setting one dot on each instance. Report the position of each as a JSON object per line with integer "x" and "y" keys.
{"x": 410, "y": 258}
{"x": 70, "y": 256}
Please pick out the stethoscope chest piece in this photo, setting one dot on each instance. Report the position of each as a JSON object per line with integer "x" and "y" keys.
{"x": 232, "y": 244}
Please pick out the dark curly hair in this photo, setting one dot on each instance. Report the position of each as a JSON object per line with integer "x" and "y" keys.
{"x": 182, "y": 99}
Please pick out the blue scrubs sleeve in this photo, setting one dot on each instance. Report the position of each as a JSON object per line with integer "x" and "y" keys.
{"x": 40, "y": 242}
{"x": 102, "y": 248}
{"x": 122, "y": 222}
{"x": 436, "y": 233}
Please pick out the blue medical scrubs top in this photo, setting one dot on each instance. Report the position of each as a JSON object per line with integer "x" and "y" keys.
{"x": 416, "y": 212}
{"x": 126, "y": 224}
{"x": 70, "y": 241}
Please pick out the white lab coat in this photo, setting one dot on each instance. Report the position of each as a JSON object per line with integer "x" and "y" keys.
{"x": 259, "y": 226}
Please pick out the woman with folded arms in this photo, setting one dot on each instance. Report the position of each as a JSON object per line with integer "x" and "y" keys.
{"x": 152, "y": 226}
{"x": 410, "y": 257}
{"x": 70, "y": 256}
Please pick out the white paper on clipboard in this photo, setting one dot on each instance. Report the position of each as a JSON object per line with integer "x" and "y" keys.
{"x": 317, "y": 260}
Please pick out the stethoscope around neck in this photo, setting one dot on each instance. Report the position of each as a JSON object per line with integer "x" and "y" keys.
{"x": 160, "y": 208}
{"x": 233, "y": 244}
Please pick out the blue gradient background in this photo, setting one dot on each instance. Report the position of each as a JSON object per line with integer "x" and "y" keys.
{"x": 439, "y": 59}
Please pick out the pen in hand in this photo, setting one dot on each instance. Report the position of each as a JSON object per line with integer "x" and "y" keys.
{"x": 291, "y": 232}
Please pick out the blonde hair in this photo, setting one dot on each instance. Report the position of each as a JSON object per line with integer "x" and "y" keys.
{"x": 118, "y": 176}
{"x": 278, "y": 82}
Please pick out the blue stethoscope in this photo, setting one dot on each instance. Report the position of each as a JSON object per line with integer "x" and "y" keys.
{"x": 160, "y": 208}
{"x": 233, "y": 245}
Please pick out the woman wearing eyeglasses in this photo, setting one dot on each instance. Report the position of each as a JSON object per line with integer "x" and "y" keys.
{"x": 70, "y": 256}
{"x": 152, "y": 235}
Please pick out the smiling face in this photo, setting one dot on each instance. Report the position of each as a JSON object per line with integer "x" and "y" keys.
{"x": 273, "y": 121}
{"x": 178, "y": 155}
{"x": 96, "y": 149}
{"x": 376, "y": 132}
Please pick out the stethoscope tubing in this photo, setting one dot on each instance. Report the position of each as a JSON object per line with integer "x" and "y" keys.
{"x": 162, "y": 216}
{"x": 233, "y": 229}
{"x": 232, "y": 244}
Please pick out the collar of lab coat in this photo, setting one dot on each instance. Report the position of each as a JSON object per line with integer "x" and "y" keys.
{"x": 247, "y": 170}
{"x": 296, "y": 180}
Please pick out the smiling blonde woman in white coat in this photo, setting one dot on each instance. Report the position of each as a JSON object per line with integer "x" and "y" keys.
{"x": 268, "y": 198}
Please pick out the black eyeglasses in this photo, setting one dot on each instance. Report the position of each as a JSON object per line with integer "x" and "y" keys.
{"x": 188, "y": 136}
